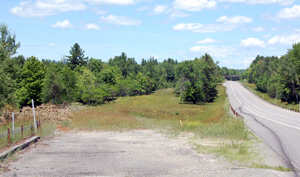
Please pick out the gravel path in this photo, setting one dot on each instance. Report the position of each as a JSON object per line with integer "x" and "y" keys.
{"x": 132, "y": 153}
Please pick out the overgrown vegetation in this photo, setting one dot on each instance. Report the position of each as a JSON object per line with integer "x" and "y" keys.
{"x": 47, "y": 129}
{"x": 231, "y": 72}
{"x": 78, "y": 78}
{"x": 215, "y": 130}
{"x": 163, "y": 110}
{"x": 277, "y": 77}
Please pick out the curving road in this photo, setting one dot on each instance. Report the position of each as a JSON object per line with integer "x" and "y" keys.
{"x": 278, "y": 127}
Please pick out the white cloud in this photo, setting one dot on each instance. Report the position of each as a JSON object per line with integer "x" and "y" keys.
{"x": 159, "y": 9}
{"x": 202, "y": 28}
{"x": 225, "y": 24}
{"x": 120, "y": 20}
{"x": 235, "y": 19}
{"x": 177, "y": 13}
{"x": 231, "y": 0}
{"x": 44, "y": 8}
{"x": 113, "y": 2}
{"x": 244, "y": 62}
{"x": 194, "y": 5}
{"x": 274, "y": 29}
{"x": 206, "y": 41}
{"x": 280, "y": 2}
{"x": 247, "y": 60}
{"x": 215, "y": 51}
{"x": 252, "y": 42}
{"x": 259, "y": 29}
{"x": 289, "y": 13}
{"x": 52, "y": 45}
{"x": 63, "y": 24}
{"x": 285, "y": 39}
{"x": 98, "y": 11}
{"x": 144, "y": 8}
{"x": 92, "y": 26}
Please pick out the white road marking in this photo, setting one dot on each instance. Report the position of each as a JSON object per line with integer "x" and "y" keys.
{"x": 262, "y": 115}
{"x": 235, "y": 95}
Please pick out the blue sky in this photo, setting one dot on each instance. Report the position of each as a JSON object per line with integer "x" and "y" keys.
{"x": 233, "y": 32}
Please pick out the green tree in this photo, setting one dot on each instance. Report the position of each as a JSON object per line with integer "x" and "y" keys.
{"x": 198, "y": 80}
{"x": 144, "y": 84}
{"x": 89, "y": 93}
{"x": 110, "y": 74}
{"x": 190, "y": 85}
{"x": 126, "y": 87}
{"x": 53, "y": 89}
{"x": 120, "y": 62}
{"x": 76, "y": 57}
{"x": 33, "y": 74}
{"x": 95, "y": 65}
{"x": 8, "y": 48}
{"x": 8, "y": 45}
{"x": 209, "y": 77}
{"x": 128, "y": 66}
{"x": 69, "y": 80}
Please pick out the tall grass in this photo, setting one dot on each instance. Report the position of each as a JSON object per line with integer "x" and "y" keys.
{"x": 163, "y": 110}
{"x": 47, "y": 128}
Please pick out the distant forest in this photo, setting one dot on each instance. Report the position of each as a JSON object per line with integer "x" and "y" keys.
{"x": 77, "y": 78}
{"x": 278, "y": 77}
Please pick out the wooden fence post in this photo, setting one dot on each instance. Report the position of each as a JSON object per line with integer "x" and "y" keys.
{"x": 31, "y": 129}
{"x": 8, "y": 136}
{"x": 22, "y": 130}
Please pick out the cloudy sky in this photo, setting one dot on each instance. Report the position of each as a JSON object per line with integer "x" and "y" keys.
{"x": 233, "y": 32}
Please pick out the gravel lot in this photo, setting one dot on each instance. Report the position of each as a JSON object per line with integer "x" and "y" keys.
{"x": 132, "y": 153}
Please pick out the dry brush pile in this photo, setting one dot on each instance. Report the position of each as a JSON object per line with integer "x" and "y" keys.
{"x": 44, "y": 112}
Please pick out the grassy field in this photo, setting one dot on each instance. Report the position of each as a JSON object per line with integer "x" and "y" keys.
{"x": 47, "y": 129}
{"x": 265, "y": 96}
{"x": 215, "y": 130}
{"x": 162, "y": 110}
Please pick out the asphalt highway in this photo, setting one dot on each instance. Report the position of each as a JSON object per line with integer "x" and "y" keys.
{"x": 278, "y": 127}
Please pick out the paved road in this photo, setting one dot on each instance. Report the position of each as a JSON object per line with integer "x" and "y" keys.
{"x": 134, "y": 153}
{"x": 278, "y": 127}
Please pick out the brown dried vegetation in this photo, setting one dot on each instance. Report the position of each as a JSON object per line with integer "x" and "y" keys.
{"x": 44, "y": 112}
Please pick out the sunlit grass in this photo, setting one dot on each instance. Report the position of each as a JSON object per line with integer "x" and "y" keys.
{"x": 93, "y": 119}
{"x": 236, "y": 151}
{"x": 46, "y": 129}
{"x": 163, "y": 110}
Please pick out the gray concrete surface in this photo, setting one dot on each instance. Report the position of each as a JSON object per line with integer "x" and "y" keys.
{"x": 278, "y": 127}
{"x": 15, "y": 148}
{"x": 134, "y": 153}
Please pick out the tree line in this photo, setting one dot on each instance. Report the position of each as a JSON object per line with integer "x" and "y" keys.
{"x": 278, "y": 77}
{"x": 77, "y": 78}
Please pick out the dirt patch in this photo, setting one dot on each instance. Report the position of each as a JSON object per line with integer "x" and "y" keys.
{"x": 63, "y": 129}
